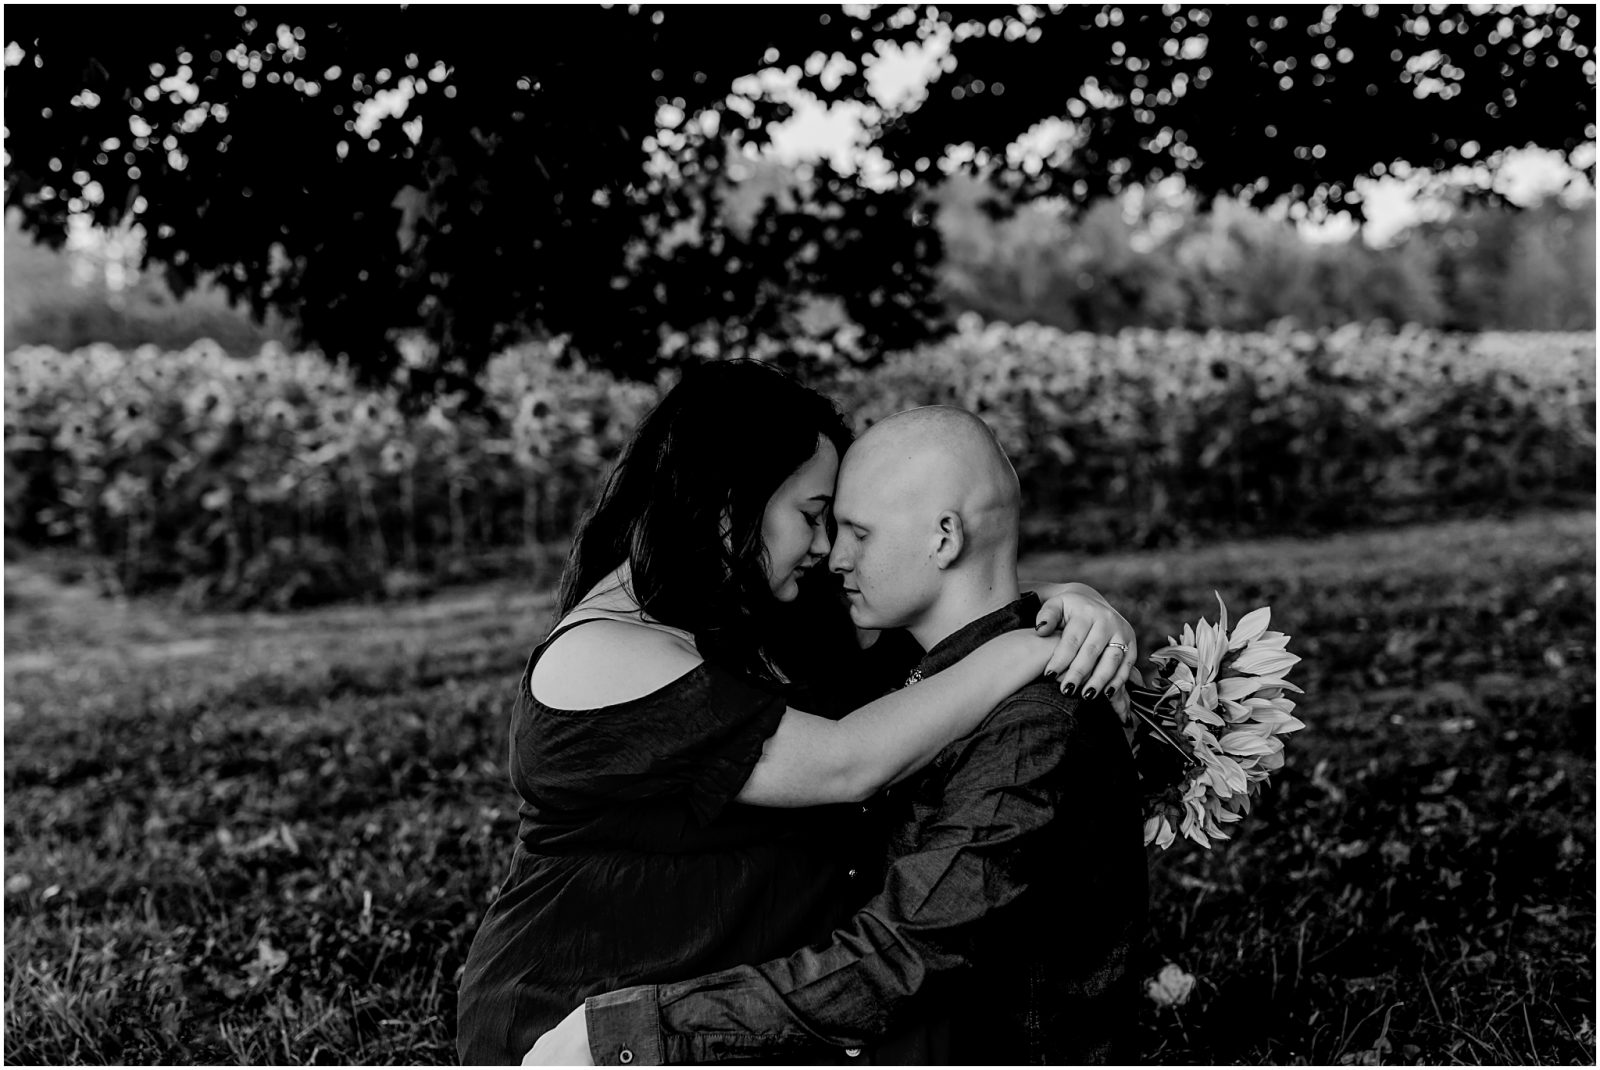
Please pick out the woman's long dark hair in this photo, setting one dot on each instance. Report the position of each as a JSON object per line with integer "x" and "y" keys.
{"x": 684, "y": 505}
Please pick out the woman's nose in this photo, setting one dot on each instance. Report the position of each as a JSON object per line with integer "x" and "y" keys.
{"x": 820, "y": 546}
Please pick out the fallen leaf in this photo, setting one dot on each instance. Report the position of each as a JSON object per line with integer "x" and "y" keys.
{"x": 1172, "y": 986}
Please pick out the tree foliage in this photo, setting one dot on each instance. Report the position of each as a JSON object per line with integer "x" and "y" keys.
{"x": 561, "y": 174}
{"x": 1154, "y": 262}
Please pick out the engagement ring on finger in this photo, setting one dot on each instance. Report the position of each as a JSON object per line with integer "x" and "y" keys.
{"x": 1120, "y": 646}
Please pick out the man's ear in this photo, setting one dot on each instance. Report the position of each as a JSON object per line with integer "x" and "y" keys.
{"x": 952, "y": 540}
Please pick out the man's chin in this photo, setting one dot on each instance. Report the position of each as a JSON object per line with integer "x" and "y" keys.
{"x": 863, "y": 618}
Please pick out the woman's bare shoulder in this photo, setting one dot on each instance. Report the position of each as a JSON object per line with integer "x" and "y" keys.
{"x": 609, "y": 661}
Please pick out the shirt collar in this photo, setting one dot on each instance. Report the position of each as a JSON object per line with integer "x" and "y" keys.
{"x": 963, "y": 641}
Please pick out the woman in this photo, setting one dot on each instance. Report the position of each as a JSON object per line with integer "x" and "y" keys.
{"x": 678, "y": 741}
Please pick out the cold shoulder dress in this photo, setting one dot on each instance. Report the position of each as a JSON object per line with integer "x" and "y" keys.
{"x": 634, "y": 864}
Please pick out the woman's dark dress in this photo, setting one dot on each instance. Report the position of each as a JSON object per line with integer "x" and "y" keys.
{"x": 634, "y": 864}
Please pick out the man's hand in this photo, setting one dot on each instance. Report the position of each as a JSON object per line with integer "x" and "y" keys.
{"x": 565, "y": 1045}
{"x": 1097, "y": 649}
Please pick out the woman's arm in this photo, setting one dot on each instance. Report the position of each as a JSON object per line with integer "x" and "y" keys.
{"x": 808, "y": 760}
{"x": 812, "y": 760}
{"x": 1084, "y": 656}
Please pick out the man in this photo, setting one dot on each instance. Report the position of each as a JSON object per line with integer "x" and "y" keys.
{"x": 1015, "y": 889}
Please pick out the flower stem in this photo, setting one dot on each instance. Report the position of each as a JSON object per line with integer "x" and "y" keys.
{"x": 1148, "y": 716}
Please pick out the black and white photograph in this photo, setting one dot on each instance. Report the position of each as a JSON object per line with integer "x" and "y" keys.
{"x": 799, "y": 534}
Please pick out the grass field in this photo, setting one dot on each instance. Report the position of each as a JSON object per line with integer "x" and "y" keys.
{"x": 269, "y": 839}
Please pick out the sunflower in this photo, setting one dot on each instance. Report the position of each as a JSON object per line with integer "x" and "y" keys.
{"x": 1218, "y": 700}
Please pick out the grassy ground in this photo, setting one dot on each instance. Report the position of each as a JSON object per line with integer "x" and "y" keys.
{"x": 269, "y": 839}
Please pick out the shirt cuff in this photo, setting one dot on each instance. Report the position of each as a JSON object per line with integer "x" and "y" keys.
{"x": 625, "y": 1027}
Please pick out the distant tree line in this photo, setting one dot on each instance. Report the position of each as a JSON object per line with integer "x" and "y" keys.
{"x": 1237, "y": 268}
{"x": 1099, "y": 270}
{"x": 68, "y": 298}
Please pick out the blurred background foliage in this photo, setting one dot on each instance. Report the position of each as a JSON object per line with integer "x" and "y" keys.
{"x": 278, "y": 479}
{"x": 1162, "y": 373}
{"x": 463, "y": 292}
{"x": 1116, "y": 264}
{"x": 461, "y": 178}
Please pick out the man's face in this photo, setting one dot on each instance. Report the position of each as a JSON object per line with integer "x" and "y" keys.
{"x": 883, "y": 551}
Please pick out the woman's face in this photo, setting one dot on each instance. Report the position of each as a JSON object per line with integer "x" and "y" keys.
{"x": 794, "y": 529}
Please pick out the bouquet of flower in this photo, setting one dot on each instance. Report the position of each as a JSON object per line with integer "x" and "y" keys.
{"x": 1213, "y": 713}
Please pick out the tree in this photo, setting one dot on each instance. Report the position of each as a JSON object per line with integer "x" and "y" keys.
{"x": 1534, "y": 268}
{"x": 562, "y": 172}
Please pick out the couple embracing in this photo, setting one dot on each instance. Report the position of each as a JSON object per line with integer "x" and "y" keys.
{"x": 805, "y": 776}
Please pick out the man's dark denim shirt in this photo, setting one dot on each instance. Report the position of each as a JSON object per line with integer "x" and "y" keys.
{"x": 1014, "y": 894}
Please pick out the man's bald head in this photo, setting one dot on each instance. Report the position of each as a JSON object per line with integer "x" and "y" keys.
{"x": 937, "y": 458}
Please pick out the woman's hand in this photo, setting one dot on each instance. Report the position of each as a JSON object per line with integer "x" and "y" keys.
{"x": 565, "y": 1045}
{"x": 1085, "y": 658}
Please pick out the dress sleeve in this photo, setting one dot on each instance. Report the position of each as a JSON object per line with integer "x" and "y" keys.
{"x": 724, "y": 728}
{"x": 696, "y": 741}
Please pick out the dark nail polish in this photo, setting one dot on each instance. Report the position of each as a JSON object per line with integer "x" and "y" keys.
{"x": 1088, "y": 694}
{"x": 1112, "y": 690}
{"x": 1069, "y": 689}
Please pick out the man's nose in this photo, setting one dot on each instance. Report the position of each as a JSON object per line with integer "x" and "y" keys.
{"x": 839, "y": 559}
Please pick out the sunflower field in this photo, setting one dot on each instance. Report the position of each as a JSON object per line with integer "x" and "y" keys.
{"x": 278, "y": 480}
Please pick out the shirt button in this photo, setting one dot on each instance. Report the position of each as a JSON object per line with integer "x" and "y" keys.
{"x": 853, "y": 1053}
{"x": 625, "y": 1056}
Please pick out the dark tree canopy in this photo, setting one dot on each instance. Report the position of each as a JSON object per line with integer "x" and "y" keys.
{"x": 560, "y": 169}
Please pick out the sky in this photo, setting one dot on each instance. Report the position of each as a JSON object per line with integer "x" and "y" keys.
{"x": 901, "y": 75}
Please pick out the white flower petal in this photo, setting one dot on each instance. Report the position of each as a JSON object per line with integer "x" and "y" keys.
{"x": 1265, "y": 662}
{"x": 1236, "y": 778}
{"x": 1245, "y": 743}
{"x": 1260, "y": 728}
{"x": 1276, "y": 682}
{"x": 1183, "y": 652}
{"x": 1250, "y": 626}
{"x": 1281, "y": 642}
{"x": 1235, "y": 688}
{"x": 1211, "y": 645}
